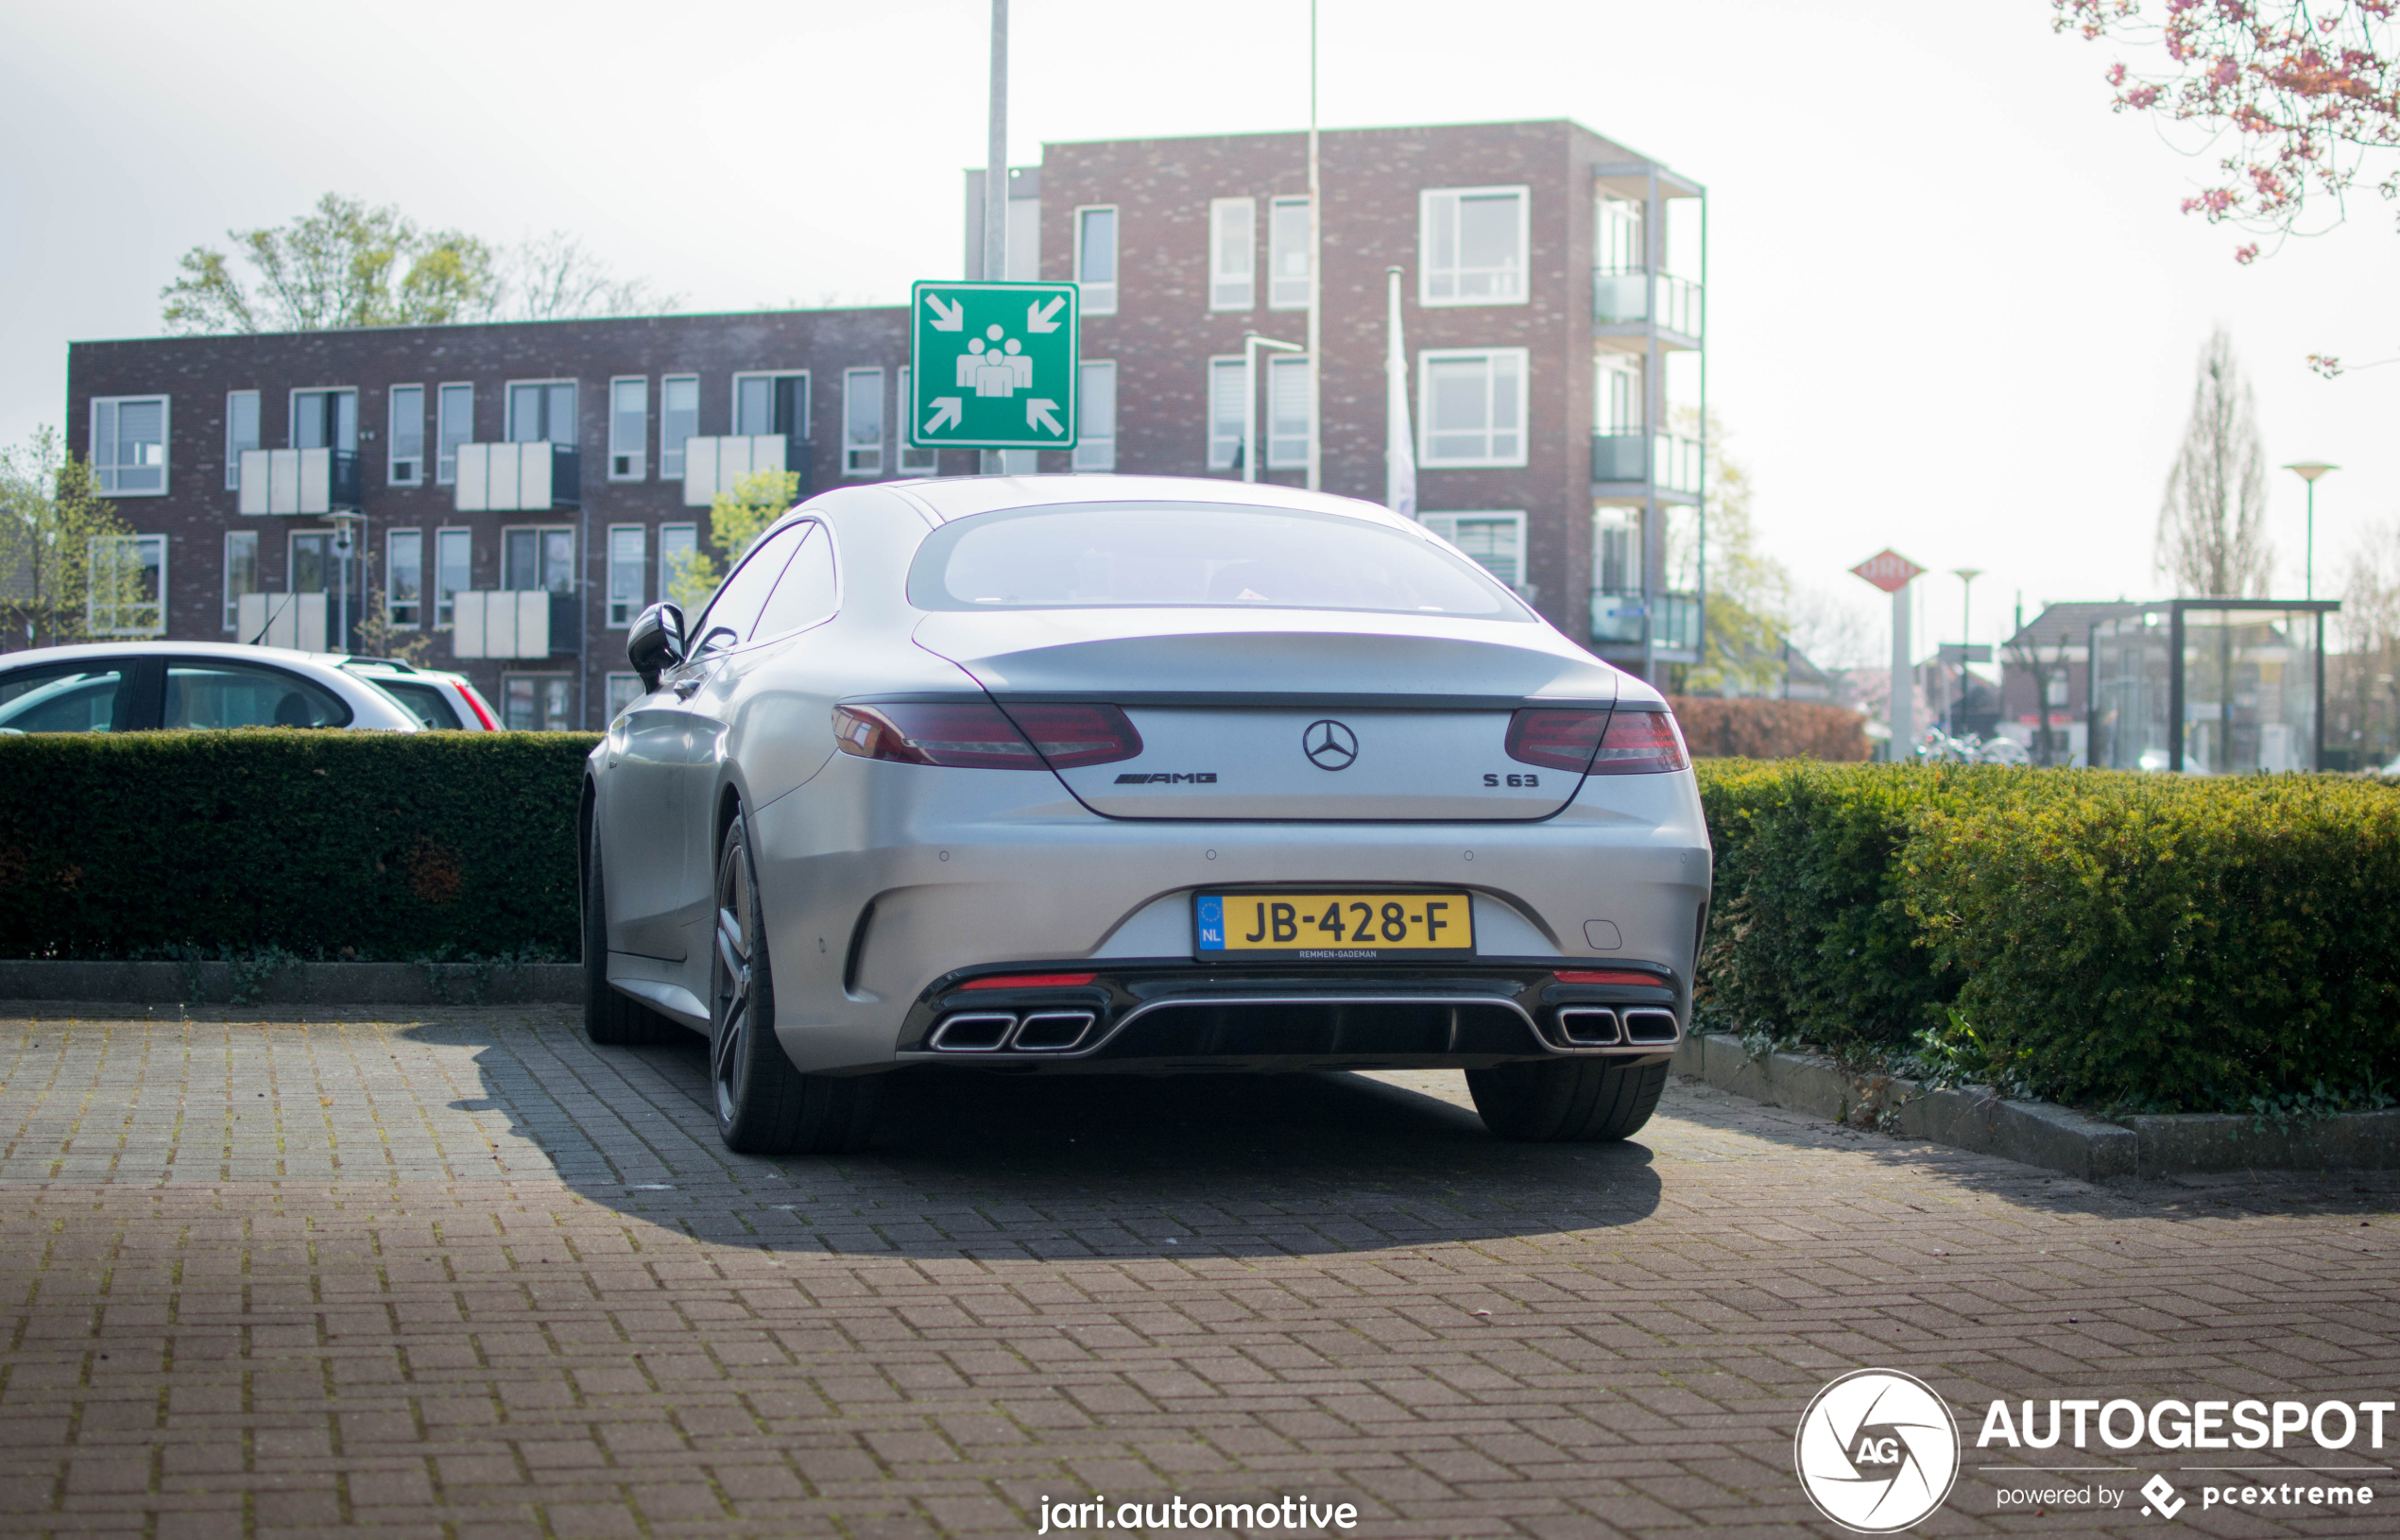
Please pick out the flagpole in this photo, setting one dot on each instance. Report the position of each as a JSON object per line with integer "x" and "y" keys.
{"x": 1316, "y": 271}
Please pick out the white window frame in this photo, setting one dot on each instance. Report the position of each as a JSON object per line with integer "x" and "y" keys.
{"x": 232, "y": 447}
{"x": 92, "y": 612}
{"x": 1223, "y": 447}
{"x": 575, "y": 554}
{"x": 446, "y": 461}
{"x": 863, "y": 384}
{"x": 1283, "y": 370}
{"x": 1229, "y": 288}
{"x": 107, "y": 474}
{"x": 439, "y": 600}
{"x": 392, "y": 460}
{"x": 641, "y": 582}
{"x": 914, "y": 461}
{"x": 233, "y": 596}
{"x": 1424, "y": 361}
{"x": 690, "y": 533}
{"x": 1446, "y": 525}
{"x": 1429, "y": 274}
{"x": 391, "y": 569}
{"x": 1095, "y": 452}
{"x": 1098, "y": 299}
{"x": 640, "y": 452}
{"x": 1280, "y": 295}
{"x": 808, "y": 401}
{"x": 1610, "y": 367}
{"x": 671, "y": 460}
{"x": 291, "y": 414}
{"x": 508, "y": 410}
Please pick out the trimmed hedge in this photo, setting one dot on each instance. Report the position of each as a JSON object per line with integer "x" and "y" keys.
{"x": 327, "y": 844}
{"x": 2102, "y": 938}
{"x": 1752, "y": 727}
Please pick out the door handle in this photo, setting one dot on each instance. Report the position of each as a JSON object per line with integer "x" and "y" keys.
{"x": 686, "y": 689}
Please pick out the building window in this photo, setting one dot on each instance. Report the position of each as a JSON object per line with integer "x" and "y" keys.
{"x": 771, "y": 403}
{"x": 408, "y": 435}
{"x": 240, "y": 433}
{"x": 1617, "y": 235}
{"x": 537, "y": 702}
{"x": 1472, "y": 243}
{"x": 1495, "y": 539}
{"x": 1233, "y": 241}
{"x": 541, "y": 412}
{"x": 1617, "y": 551}
{"x": 1474, "y": 408}
{"x": 1096, "y": 417}
{"x": 325, "y": 419}
{"x": 1228, "y": 404}
{"x": 537, "y": 559}
{"x": 627, "y": 545}
{"x": 453, "y": 568}
{"x": 128, "y": 444}
{"x": 457, "y": 426}
{"x": 1096, "y": 260}
{"x": 624, "y": 690}
{"x": 678, "y": 545}
{"x": 318, "y": 566}
{"x": 1287, "y": 254}
{"x": 678, "y": 419}
{"x": 862, "y": 423}
{"x": 1617, "y": 394}
{"x": 1288, "y": 412}
{"x": 128, "y": 596}
{"x": 628, "y": 429}
{"x": 914, "y": 461}
{"x": 404, "y": 578}
{"x": 241, "y": 574}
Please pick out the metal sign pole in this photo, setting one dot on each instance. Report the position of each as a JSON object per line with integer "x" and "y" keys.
{"x": 996, "y": 183}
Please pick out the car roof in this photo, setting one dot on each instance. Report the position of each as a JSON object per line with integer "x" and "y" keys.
{"x": 77, "y": 651}
{"x": 963, "y": 497}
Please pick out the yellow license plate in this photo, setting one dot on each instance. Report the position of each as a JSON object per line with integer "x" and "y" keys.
{"x": 1332, "y": 927}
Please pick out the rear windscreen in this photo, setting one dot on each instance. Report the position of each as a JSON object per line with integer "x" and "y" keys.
{"x": 1120, "y": 554}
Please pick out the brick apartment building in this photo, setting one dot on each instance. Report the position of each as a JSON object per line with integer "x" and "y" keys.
{"x": 1548, "y": 332}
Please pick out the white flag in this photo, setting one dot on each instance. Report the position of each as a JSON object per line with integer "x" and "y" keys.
{"x": 1399, "y": 453}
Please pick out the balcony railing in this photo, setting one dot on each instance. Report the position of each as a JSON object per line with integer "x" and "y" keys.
{"x": 1671, "y": 462}
{"x": 1625, "y": 294}
{"x": 515, "y": 622}
{"x": 712, "y": 466}
{"x": 516, "y": 478}
{"x": 1671, "y": 620}
{"x": 298, "y": 481}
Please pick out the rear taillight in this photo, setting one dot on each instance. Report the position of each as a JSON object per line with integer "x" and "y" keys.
{"x": 972, "y": 735}
{"x": 483, "y": 712}
{"x": 1640, "y": 744}
{"x": 1555, "y": 740}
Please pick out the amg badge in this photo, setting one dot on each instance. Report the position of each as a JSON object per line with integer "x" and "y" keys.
{"x": 1197, "y": 778}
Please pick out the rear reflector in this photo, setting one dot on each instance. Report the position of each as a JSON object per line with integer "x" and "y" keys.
{"x": 977, "y": 735}
{"x": 1646, "y": 980}
{"x": 1031, "y": 981}
{"x": 1555, "y": 740}
{"x": 1640, "y": 744}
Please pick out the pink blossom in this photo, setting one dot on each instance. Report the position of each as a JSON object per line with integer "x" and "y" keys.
{"x": 2246, "y": 254}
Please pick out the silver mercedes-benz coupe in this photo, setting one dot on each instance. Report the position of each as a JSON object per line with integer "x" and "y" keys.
{"x": 1136, "y": 775}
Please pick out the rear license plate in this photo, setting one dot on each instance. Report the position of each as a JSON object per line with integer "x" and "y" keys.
{"x": 1331, "y": 926}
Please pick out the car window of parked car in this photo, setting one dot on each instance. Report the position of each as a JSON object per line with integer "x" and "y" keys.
{"x": 1120, "y": 554}
{"x": 427, "y": 702}
{"x": 207, "y": 692}
{"x": 804, "y": 594}
{"x": 735, "y": 609}
{"x": 62, "y": 697}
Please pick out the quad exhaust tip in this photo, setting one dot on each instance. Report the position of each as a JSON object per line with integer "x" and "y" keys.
{"x": 994, "y": 1032}
{"x": 1650, "y": 1027}
{"x": 1602, "y": 1026}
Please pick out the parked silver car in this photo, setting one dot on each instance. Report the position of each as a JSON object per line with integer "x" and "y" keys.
{"x": 134, "y": 686}
{"x": 1131, "y": 774}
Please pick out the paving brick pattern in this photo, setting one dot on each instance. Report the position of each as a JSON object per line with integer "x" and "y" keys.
{"x": 466, "y": 1275}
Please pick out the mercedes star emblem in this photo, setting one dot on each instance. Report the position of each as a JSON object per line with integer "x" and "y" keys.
{"x": 1329, "y": 744}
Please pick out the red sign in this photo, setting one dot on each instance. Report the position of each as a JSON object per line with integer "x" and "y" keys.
{"x": 1890, "y": 571}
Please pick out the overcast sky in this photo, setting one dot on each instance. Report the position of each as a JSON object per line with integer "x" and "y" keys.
{"x": 1952, "y": 306}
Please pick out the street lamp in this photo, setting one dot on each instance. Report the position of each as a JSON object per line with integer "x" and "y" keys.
{"x": 1967, "y": 576}
{"x": 1251, "y": 343}
{"x": 2308, "y": 471}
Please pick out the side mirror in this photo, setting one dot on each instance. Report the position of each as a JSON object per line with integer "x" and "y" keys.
{"x": 656, "y": 642}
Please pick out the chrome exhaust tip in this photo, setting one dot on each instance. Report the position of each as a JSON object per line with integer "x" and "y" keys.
{"x": 1588, "y": 1026}
{"x": 1650, "y": 1027}
{"x": 1051, "y": 1031}
{"x": 972, "y": 1032}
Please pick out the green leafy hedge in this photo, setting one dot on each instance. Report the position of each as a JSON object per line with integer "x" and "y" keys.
{"x": 2102, "y": 938}
{"x": 328, "y": 845}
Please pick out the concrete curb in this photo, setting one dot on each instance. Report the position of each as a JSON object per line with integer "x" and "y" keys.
{"x": 2039, "y": 1133}
{"x": 298, "y": 983}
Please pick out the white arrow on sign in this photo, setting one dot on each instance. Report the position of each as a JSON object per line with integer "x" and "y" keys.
{"x": 1037, "y": 415}
{"x": 947, "y": 410}
{"x": 1038, "y": 315}
{"x": 951, "y": 319}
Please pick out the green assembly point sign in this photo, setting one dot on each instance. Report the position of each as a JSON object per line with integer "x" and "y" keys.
{"x": 994, "y": 366}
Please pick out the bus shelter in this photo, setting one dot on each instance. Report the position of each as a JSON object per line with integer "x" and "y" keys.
{"x": 2210, "y": 687}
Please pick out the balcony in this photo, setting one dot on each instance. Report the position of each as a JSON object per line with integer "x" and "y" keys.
{"x": 1665, "y": 460}
{"x": 298, "y": 481}
{"x": 1632, "y": 296}
{"x": 1673, "y": 620}
{"x": 519, "y": 478}
{"x": 514, "y": 623}
{"x": 712, "y": 466}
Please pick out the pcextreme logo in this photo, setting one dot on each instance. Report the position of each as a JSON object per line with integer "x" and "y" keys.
{"x": 1876, "y": 1450}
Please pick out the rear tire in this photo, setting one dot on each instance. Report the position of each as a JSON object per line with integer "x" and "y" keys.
{"x": 1565, "y": 1100}
{"x": 764, "y": 1105}
{"x": 609, "y": 1018}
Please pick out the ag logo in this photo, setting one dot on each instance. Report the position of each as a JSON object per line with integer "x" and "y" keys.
{"x": 1876, "y": 1450}
{"x": 1329, "y": 744}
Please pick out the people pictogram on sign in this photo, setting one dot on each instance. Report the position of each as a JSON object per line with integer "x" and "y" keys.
{"x": 1000, "y": 370}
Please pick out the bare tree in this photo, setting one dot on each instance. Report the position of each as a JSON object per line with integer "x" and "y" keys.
{"x": 2212, "y": 524}
{"x": 2027, "y": 653}
{"x": 554, "y": 277}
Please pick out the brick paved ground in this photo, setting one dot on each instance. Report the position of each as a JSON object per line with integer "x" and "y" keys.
{"x": 466, "y": 1275}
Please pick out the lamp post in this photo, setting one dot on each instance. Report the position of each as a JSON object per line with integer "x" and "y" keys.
{"x": 2308, "y": 471}
{"x": 1967, "y": 576}
{"x": 1251, "y": 343}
